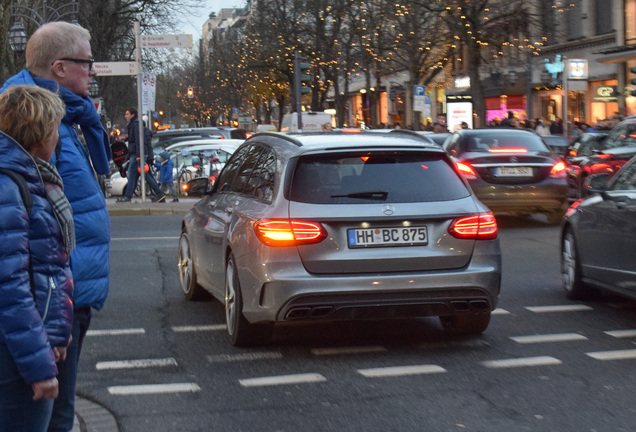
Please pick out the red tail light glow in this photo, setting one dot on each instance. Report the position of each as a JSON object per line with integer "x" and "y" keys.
{"x": 558, "y": 170}
{"x": 573, "y": 153}
{"x": 478, "y": 227}
{"x": 289, "y": 233}
{"x": 572, "y": 208}
{"x": 364, "y": 158}
{"x": 466, "y": 170}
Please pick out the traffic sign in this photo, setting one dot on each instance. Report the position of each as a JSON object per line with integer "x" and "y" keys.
{"x": 419, "y": 90}
{"x": 115, "y": 68}
{"x": 577, "y": 69}
{"x": 166, "y": 41}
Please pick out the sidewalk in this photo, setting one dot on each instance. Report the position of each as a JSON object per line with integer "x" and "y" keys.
{"x": 136, "y": 207}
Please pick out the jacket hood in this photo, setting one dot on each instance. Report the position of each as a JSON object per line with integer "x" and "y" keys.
{"x": 14, "y": 157}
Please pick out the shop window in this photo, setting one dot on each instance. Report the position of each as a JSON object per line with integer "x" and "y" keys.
{"x": 603, "y": 10}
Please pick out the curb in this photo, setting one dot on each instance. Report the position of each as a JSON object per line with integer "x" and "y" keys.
{"x": 93, "y": 417}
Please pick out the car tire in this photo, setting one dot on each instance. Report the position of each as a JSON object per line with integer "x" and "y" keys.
{"x": 466, "y": 324}
{"x": 187, "y": 274}
{"x": 241, "y": 331}
{"x": 571, "y": 276}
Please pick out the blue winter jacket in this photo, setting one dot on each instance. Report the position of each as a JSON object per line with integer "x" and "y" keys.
{"x": 165, "y": 171}
{"x": 90, "y": 261}
{"x": 30, "y": 328}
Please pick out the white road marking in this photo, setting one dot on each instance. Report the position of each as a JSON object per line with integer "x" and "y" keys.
{"x": 621, "y": 333}
{"x": 182, "y": 329}
{"x": 223, "y": 358}
{"x": 558, "y": 308}
{"x": 142, "y": 238}
{"x": 348, "y": 350}
{"x": 154, "y": 389}
{"x": 282, "y": 380}
{"x": 401, "y": 371}
{"x": 500, "y": 311}
{"x": 133, "y": 364}
{"x": 115, "y": 332}
{"x": 559, "y": 337}
{"x": 613, "y": 355}
{"x": 522, "y": 362}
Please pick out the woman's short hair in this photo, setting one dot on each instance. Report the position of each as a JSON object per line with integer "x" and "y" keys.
{"x": 29, "y": 114}
{"x": 51, "y": 42}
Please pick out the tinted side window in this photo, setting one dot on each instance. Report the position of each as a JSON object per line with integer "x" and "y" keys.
{"x": 261, "y": 182}
{"x": 226, "y": 179}
{"x": 388, "y": 177}
{"x": 245, "y": 171}
{"x": 626, "y": 178}
{"x": 621, "y": 136}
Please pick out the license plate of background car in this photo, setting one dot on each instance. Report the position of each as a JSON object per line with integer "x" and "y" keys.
{"x": 388, "y": 236}
{"x": 513, "y": 172}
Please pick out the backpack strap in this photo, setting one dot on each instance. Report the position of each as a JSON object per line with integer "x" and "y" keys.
{"x": 27, "y": 198}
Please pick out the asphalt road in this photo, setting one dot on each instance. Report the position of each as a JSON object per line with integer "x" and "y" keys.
{"x": 160, "y": 363}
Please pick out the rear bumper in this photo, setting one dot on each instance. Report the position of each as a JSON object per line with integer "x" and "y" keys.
{"x": 290, "y": 295}
{"x": 538, "y": 198}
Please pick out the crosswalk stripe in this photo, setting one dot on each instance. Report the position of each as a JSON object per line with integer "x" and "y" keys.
{"x": 558, "y": 308}
{"x": 221, "y": 358}
{"x": 613, "y": 355}
{"x": 282, "y": 380}
{"x": 500, "y": 311}
{"x": 347, "y": 350}
{"x": 560, "y": 337}
{"x": 133, "y": 364}
{"x": 116, "y": 332}
{"x": 153, "y": 389}
{"x": 521, "y": 362}
{"x": 195, "y": 328}
{"x": 401, "y": 371}
{"x": 622, "y": 333}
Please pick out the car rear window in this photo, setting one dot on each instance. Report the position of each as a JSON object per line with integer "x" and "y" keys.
{"x": 492, "y": 143}
{"x": 364, "y": 177}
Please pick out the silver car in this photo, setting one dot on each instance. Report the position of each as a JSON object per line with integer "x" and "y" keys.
{"x": 341, "y": 227}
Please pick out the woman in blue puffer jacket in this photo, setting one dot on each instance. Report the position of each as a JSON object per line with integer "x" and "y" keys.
{"x": 36, "y": 286}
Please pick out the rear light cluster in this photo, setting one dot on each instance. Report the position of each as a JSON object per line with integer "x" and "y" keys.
{"x": 572, "y": 208}
{"x": 466, "y": 170}
{"x": 559, "y": 170}
{"x": 287, "y": 232}
{"x": 479, "y": 227}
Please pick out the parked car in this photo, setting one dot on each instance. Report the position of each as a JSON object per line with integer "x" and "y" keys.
{"x": 598, "y": 237}
{"x": 341, "y": 226}
{"x": 163, "y": 139}
{"x": 617, "y": 148}
{"x": 584, "y": 147}
{"x": 511, "y": 171}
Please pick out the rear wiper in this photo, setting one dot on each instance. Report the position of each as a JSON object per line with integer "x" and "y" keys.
{"x": 373, "y": 195}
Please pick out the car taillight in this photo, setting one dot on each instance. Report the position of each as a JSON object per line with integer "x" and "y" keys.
{"x": 559, "y": 170}
{"x": 573, "y": 153}
{"x": 289, "y": 232}
{"x": 466, "y": 170}
{"x": 572, "y": 208}
{"x": 480, "y": 227}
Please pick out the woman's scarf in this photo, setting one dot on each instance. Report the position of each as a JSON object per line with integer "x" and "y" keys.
{"x": 82, "y": 111}
{"x": 54, "y": 189}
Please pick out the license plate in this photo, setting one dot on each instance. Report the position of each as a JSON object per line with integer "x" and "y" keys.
{"x": 390, "y": 236}
{"x": 513, "y": 172}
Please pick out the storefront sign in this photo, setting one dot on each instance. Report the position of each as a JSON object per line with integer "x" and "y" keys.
{"x": 577, "y": 69}
{"x": 604, "y": 94}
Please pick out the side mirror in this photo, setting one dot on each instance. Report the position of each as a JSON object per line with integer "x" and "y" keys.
{"x": 198, "y": 186}
{"x": 596, "y": 183}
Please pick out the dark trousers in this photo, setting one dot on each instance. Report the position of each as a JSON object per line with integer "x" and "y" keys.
{"x": 133, "y": 177}
{"x": 64, "y": 406}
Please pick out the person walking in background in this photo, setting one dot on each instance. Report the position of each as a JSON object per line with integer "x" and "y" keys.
{"x": 542, "y": 129}
{"x": 58, "y": 58}
{"x": 556, "y": 128}
{"x": 134, "y": 163}
{"x": 166, "y": 175}
{"x": 37, "y": 233}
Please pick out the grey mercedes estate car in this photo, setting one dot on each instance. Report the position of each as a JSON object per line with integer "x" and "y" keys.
{"x": 341, "y": 227}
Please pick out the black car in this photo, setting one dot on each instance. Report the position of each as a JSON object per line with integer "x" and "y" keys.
{"x": 583, "y": 147}
{"x": 598, "y": 237}
{"x": 558, "y": 144}
{"x": 616, "y": 149}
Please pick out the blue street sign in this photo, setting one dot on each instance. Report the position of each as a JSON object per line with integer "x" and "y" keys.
{"x": 419, "y": 90}
{"x": 235, "y": 110}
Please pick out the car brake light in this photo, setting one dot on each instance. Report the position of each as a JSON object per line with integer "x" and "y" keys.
{"x": 573, "y": 153}
{"x": 466, "y": 170}
{"x": 289, "y": 232}
{"x": 559, "y": 170}
{"x": 572, "y": 208}
{"x": 507, "y": 150}
{"x": 603, "y": 155}
{"x": 480, "y": 227}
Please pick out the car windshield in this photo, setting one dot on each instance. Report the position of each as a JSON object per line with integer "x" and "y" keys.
{"x": 503, "y": 143}
{"x": 387, "y": 177}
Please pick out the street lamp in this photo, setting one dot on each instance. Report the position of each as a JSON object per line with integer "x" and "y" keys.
{"x": 17, "y": 34}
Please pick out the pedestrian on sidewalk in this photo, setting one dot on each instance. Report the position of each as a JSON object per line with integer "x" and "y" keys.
{"x": 133, "y": 161}
{"x": 166, "y": 166}
{"x": 58, "y": 58}
{"x": 37, "y": 236}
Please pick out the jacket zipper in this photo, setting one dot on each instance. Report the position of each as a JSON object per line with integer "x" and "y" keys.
{"x": 48, "y": 300}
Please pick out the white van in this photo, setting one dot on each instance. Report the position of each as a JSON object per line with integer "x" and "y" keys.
{"x": 312, "y": 121}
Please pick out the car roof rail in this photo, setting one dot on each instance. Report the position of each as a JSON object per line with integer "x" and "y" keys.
{"x": 278, "y": 135}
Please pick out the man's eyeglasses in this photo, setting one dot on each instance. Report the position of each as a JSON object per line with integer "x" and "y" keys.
{"x": 89, "y": 62}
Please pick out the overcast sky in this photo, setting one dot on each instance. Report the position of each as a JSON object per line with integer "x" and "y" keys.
{"x": 194, "y": 23}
